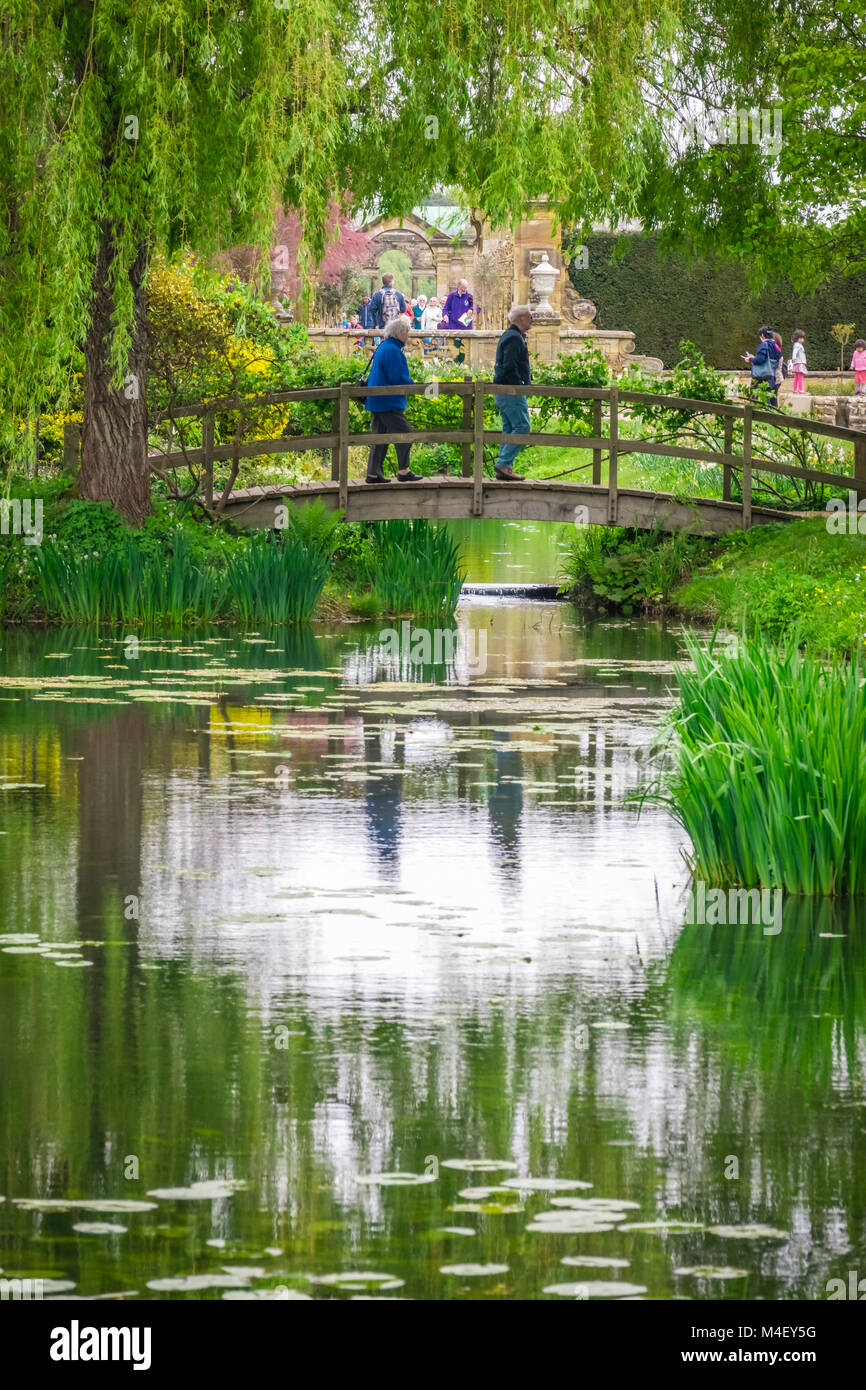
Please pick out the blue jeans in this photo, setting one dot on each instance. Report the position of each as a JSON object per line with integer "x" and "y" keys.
{"x": 515, "y": 420}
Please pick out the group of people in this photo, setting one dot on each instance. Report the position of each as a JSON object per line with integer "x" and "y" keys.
{"x": 769, "y": 368}
{"x": 390, "y": 368}
{"x": 512, "y": 368}
{"x": 457, "y": 312}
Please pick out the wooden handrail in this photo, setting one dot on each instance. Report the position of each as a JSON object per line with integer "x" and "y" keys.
{"x": 471, "y": 436}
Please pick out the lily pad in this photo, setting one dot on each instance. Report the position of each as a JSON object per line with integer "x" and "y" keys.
{"x": 528, "y": 1184}
{"x": 477, "y": 1165}
{"x": 396, "y": 1179}
{"x": 457, "y": 1231}
{"x": 282, "y": 1295}
{"x": 107, "y": 1204}
{"x": 189, "y": 1283}
{"x": 473, "y": 1271}
{"x": 99, "y": 1228}
{"x": 664, "y": 1227}
{"x": 199, "y": 1191}
{"x": 355, "y": 1279}
{"x": 602, "y": 1204}
{"x": 595, "y": 1261}
{"x": 596, "y": 1288}
{"x": 713, "y": 1272}
{"x": 755, "y": 1232}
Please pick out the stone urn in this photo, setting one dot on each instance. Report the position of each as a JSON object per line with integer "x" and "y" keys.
{"x": 543, "y": 280}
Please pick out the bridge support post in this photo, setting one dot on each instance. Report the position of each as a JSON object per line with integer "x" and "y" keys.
{"x": 727, "y": 473}
{"x": 596, "y": 453}
{"x": 747, "y": 465}
{"x": 860, "y": 468}
{"x": 478, "y": 447}
{"x": 335, "y": 452}
{"x": 466, "y": 424}
{"x": 207, "y": 431}
{"x": 612, "y": 488}
{"x": 343, "y": 446}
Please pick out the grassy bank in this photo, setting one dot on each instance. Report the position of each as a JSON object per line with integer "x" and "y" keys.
{"x": 73, "y": 561}
{"x": 794, "y": 575}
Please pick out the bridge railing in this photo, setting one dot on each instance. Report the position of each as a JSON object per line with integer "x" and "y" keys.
{"x": 471, "y": 436}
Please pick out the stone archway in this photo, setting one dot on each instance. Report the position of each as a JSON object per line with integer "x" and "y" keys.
{"x": 432, "y": 259}
{"x": 409, "y": 255}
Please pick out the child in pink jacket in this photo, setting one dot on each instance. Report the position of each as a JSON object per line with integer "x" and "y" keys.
{"x": 858, "y": 366}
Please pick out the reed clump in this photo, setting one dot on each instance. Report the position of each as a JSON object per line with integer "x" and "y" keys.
{"x": 769, "y": 754}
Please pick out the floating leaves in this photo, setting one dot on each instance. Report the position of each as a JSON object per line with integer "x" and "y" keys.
{"x": 473, "y": 1271}
{"x": 396, "y": 1179}
{"x": 596, "y": 1288}
{"x": 360, "y": 1279}
{"x": 756, "y": 1232}
{"x": 545, "y": 1184}
{"x": 99, "y": 1228}
{"x": 103, "y": 1204}
{"x": 207, "y": 1191}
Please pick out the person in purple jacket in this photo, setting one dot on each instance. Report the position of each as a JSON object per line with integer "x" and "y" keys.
{"x": 458, "y": 304}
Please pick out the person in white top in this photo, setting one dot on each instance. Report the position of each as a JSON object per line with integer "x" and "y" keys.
{"x": 431, "y": 316}
{"x": 798, "y": 359}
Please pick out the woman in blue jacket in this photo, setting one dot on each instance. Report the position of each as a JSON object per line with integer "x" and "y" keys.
{"x": 764, "y": 364}
{"x": 390, "y": 368}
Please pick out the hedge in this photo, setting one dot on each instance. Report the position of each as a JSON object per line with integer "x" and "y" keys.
{"x": 666, "y": 298}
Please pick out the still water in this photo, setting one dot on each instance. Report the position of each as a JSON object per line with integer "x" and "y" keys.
{"x": 325, "y": 974}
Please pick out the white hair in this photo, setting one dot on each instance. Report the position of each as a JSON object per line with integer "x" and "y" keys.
{"x": 517, "y": 311}
{"x": 397, "y": 328}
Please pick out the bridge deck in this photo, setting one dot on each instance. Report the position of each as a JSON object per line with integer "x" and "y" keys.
{"x": 534, "y": 500}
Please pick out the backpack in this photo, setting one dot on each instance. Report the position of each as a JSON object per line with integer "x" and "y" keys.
{"x": 390, "y": 304}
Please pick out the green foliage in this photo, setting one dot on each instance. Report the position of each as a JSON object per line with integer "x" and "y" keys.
{"x": 586, "y": 368}
{"x": 164, "y": 127}
{"x": 316, "y": 527}
{"x": 623, "y": 569}
{"x": 665, "y": 298}
{"x": 415, "y": 568}
{"x": 792, "y": 204}
{"x": 770, "y": 759}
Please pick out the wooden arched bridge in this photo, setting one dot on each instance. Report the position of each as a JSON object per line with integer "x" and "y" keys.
{"x": 597, "y": 499}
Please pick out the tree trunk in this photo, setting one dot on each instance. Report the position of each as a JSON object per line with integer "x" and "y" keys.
{"x": 114, "y": 460}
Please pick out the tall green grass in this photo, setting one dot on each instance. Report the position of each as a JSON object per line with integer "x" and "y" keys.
{"x": 270, "y": 580}
{"x": 770, "y": 769}
{"x": 415, "y": 568}
{"x": 277, "y": 581}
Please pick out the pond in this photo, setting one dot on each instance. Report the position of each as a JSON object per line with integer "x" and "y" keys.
{"x": 329, "y": 974}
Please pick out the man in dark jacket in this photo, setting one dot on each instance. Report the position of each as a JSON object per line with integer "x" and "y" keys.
{"x": 390, "y": 368}
{"x": 512, "y": 369}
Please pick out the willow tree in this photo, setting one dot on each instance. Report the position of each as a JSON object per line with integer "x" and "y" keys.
{"x": 143, "y": 125}
{"x": 783, "y": 191}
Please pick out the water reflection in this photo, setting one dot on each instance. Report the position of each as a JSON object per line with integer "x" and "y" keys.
{"x": 337, "y": 928}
